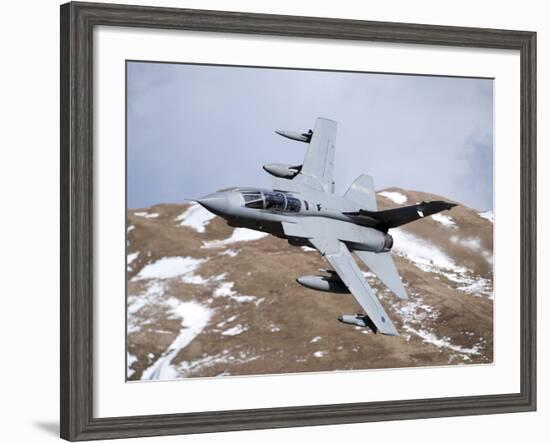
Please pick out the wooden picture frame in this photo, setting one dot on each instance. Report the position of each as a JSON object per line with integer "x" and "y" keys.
{"x": 77, "y": 23}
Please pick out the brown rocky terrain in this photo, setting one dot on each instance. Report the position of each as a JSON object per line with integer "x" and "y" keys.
{"x": 207, "y": 300}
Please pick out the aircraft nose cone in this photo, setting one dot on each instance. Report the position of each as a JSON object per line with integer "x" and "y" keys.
{"x": 216, "y": 203}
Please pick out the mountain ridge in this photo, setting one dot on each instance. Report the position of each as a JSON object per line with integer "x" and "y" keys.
{"x": 205, "y": 299}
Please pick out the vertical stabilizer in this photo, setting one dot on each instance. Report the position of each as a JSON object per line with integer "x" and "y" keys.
{"x": 362, "y": 192}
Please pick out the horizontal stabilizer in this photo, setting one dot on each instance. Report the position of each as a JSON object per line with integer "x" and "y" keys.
{"x": 381, "y": 264}
{"x": 392, "y": 218}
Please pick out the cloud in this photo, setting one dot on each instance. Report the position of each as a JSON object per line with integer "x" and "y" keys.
{"x": 476, "y": 181}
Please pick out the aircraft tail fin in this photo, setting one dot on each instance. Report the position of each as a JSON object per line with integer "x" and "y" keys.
{"x": 362, "y": 192}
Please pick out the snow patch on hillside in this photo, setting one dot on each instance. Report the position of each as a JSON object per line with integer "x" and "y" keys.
{"x": 445, "y": 220}
{"x": 235, "y": 330}
{"x": 474, "y": 244}
{"x": 170, "y": 267}
{"x": 444, "y": 342}
{"x": 132, "y": 257}
{"x": 429, "y": 258}
{"x": 194, "y": 279}
{"x": 415, "y": 314}
{"x": 395, "y": 197}
{"x": 415, "y": 311}
{"x": 194, "y": 318}
{"x": 188, "y": 368}
{"x": 488, "y": 215}
{"x": 224, "y": 322}
{"x": 424, "y": 254}
{"x": 238, "y": 235}
{"x": 479, "y": 286}
{"x": 146, "y": 214}
{"x": 195, "y": 217}
{"x": 130, "y": 360}
{"x": 226, "y": 290}
{"x": 151, "y": 295}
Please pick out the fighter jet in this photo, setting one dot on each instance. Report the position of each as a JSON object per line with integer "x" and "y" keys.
{"x": 302, "y": 208}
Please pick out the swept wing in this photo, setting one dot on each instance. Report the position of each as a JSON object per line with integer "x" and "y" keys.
{"x": 317, "y": 171}
{"x": 340, "y": 258}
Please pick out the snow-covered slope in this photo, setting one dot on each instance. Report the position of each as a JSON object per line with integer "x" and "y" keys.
{"x": 205, "y": 299}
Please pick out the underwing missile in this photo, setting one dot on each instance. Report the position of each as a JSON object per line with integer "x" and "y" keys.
{"x": 282, "y": 170}
{"x": 299, "y": 137}
{"x": 362, "y": 321}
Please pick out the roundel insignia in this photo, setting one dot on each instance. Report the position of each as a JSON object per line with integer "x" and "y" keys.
{"x": 383, "y": 319}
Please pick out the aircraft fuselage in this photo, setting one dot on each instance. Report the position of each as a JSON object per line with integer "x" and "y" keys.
{"x": 284, "y": 214}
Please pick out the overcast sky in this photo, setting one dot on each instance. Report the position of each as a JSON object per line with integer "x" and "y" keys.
{"x": 194, "y": 129}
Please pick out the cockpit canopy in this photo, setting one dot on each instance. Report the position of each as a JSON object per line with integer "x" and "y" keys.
{"x": 276, "y": 201}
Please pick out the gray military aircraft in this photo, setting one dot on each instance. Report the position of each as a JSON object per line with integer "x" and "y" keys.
{"x": 303, "y": 209}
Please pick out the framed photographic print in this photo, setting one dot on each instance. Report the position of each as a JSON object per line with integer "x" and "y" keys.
{"x": 272, "y": 221}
